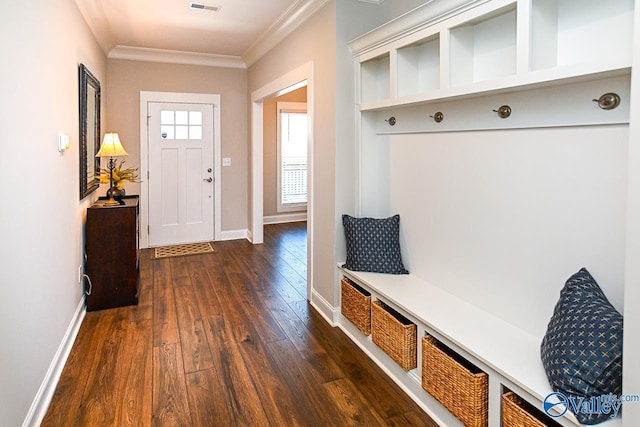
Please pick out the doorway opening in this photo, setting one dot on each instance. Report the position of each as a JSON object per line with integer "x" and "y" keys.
{"x": 285, "y": 154}
{"x": 287, "y": 83}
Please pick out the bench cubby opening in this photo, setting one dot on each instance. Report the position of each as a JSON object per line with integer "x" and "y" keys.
{"x": 456, "y": 383}
{"x": 517, "y": 412}
{"x": 355, "y": 305}
{"x": 394, "y": 334}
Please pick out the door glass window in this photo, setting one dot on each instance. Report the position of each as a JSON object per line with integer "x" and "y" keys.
{"x": 181, "y": 125}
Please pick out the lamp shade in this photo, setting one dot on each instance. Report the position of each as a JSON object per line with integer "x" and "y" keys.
{"x": 111, "y": 146}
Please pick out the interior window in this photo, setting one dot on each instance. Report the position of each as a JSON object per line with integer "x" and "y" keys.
{"x": 292, "y": 156}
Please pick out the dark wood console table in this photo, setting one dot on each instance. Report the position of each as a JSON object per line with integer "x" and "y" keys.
{"x": 112, "y": 254}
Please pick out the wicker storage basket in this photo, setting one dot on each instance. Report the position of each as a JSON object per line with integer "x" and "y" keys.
{"x": 518, "y": 413}
{"x": 355, "y": 305}
{"x": 394, "y": 334}
{"x": 461, "y": 387}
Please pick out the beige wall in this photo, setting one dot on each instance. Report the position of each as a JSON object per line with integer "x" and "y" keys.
{"x": 41, "y": 216}
{"x": 313, "y": 42}
{"x": 270, "y": 147}
{"x": 128, "y": 78}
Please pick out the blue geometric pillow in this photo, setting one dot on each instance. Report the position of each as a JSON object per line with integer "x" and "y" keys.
{"x": 582, "y": 349}
{"x": 373, "y": 244}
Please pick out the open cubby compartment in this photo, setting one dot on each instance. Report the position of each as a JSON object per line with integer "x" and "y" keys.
{"x": 355, "y": 305}
{"x": 569, "y": 32}
{"x": 419, "y": 67}
{"x": 484, "y": 48}
{"x": 517, "y": 412}
{"x": 394, "y": 334}
{"x": 459, "y": 385}
{"x": 375, "y": 78}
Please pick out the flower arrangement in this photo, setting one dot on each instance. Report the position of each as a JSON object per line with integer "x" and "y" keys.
{"x": 120, "y": 175}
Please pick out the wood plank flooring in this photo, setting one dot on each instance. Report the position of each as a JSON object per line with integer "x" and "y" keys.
{"x": 224, "y": 339}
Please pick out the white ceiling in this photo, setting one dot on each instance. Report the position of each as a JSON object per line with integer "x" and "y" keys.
{"x": 171, "y": 25}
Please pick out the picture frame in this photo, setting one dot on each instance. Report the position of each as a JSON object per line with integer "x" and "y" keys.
{"x": 89, "y": 109}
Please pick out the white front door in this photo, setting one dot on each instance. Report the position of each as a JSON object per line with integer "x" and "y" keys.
{"x": 181, "y": 188}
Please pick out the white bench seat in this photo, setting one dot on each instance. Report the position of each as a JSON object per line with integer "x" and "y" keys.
{"x": 509, "y": 352}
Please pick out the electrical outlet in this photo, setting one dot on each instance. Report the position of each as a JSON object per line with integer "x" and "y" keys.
{"x": 80, "y": 274}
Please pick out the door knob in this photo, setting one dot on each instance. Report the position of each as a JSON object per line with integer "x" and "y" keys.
{"x": 208, "y": 179}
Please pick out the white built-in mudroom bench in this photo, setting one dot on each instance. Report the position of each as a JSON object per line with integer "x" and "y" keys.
{"x": 509, "y": 355}
{"x": 498, "y": 130}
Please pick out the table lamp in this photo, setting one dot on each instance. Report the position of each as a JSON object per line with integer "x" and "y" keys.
{"x": 111, "y": 147}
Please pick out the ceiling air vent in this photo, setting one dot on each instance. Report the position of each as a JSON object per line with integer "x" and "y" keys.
{"x": 201, "y": 6}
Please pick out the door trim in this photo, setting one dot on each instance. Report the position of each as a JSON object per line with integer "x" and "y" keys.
{"x": 184, "y": 98}
{"x": 295, "y": 79}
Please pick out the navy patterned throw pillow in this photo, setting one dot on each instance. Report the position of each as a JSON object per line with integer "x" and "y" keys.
{"x": 582, "y": 349}
{"x": 373, "y": 244}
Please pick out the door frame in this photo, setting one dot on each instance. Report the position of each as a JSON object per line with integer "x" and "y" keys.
{"x": 181, "y": 98}
{"x": 295, "y": 79}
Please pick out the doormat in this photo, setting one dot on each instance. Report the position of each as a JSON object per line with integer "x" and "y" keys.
{"x": 182, "y": 250}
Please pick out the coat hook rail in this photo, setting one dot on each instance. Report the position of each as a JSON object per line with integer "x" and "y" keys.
{"x": 438, "y": 117}
{"x": 503, "y": 112}
{"x": 608, "y": 101}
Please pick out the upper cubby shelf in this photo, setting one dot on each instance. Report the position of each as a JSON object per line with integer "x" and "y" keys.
{"x": 419, "y": 67}
{"x": 570, "y": 32}
{"x": 375, "y": 78}
{"x": 488, "y": 46}
{"x": 483, "y": 48}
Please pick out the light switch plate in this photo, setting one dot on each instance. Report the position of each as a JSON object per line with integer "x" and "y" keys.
{"x": 63, "y": 142}
{"x": 226, "y": 161}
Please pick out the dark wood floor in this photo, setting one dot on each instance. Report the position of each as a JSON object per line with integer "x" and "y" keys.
{"x": 224, "y": 339}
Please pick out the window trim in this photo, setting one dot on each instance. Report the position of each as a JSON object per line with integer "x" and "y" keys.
{"x": 287, "y": 107}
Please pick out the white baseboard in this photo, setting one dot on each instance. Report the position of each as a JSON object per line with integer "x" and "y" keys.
{"x": 43, "y": 398}
{"x": 234, "y": 234}
{"x": 276, "y": 219}
{"x": 410, "y": 382}
{"x": 326, "y": 310}
{"x": 281, "y": 219}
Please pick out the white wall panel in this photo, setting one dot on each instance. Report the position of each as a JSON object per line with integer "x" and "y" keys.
{"x": 503, "y": 218}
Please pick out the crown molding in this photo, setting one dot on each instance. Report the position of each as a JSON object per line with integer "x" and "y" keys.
{"x": 176, "y": 57}
{"x": 423, "y": 16}
{"x": 290, "y": 20}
